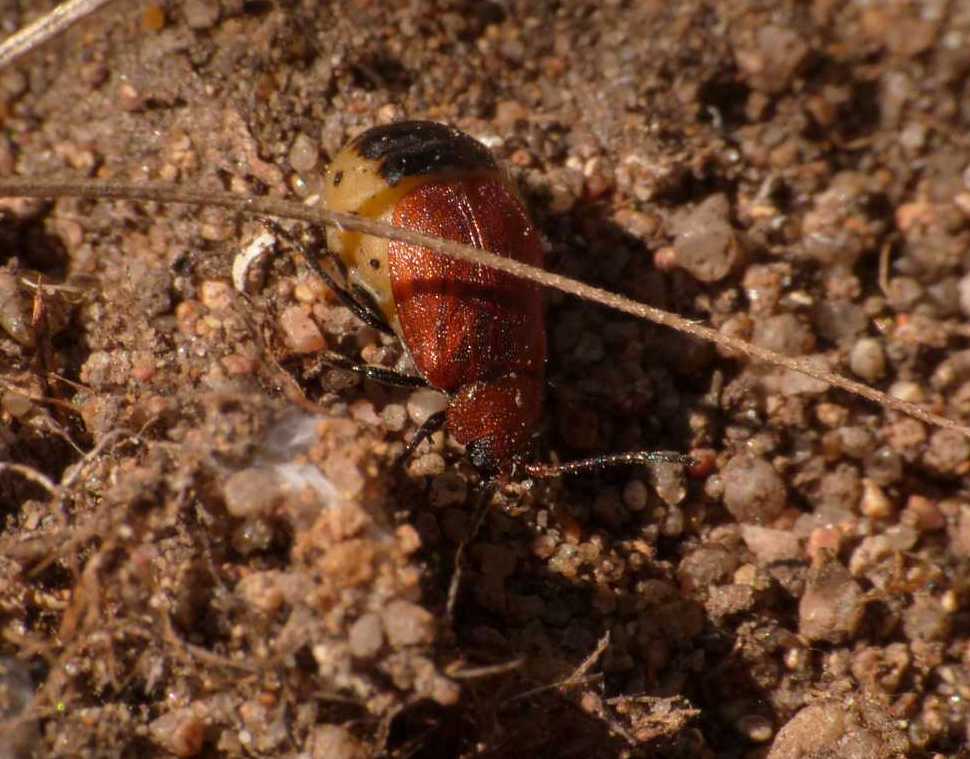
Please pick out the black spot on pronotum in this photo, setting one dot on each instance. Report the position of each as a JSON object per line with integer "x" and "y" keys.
{"x": 375, "y": 264}
{"x": 415, "y": 148}
{"x": 338, "y": 178}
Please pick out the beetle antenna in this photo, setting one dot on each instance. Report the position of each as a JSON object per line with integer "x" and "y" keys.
{"x": 262, "y": 206}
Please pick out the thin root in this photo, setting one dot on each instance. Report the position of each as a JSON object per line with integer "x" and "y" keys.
{"x": 257, "y": 206}
{"x": 44, "y": 28}
{"x": 29, "y": 473}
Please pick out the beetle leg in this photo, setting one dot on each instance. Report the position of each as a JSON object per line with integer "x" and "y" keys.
{"x": 390, "y": 377}
{"x": 364, "y": 311}
{"x": 597, "y": 463}
{"x": 431, "y": 425}
{"x": 484, "y": 498}
{"x": 377, "y": 373}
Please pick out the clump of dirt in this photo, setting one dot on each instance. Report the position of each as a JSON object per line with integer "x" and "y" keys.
{"x": 205, "y": 545}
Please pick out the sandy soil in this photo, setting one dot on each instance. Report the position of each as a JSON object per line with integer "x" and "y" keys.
{"x": 205, "y": 546}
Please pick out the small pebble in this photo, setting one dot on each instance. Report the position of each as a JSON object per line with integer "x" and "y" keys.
{"x": 544, "y": 545}
{"x": 304, "y": 154}
{"x": 763, "y": 285}
{"x": 508, "y": 113}
{"x": 251, "y": 492}
{"x": 907, "y": 391}
{"x": 300, "y": 331}
{"x": 950, "y": 601}
{"x": 728, "y": 600}
{"x": 948, "y": 452}
{"x": 772, "y": 62}
{"x": 153, "y": 18}
{"x": 785, "y": 334}
{"x": 429, "y": 465}
{"x": 129, "y": 98}
{"x": 565, "y": 188}
{"x": 884, "y": 467}
{"x": 867, "y": 359}
{"x": 181, "y": 732}
{"x": 832, "y": 606}
{"x": 875, "y": 504}
{"x": 521, "y": 158}
{"x": 705, "y": 242}
{"x": 366, "y": 636}
{"x": 636, "y": 223}
{"x": 923, "y": 514}
{"x": 926, "y": 620}
{"x": 673, "y": 524}
{"x": 823, "y": 540}
{"x": 796, "y": 659}
{"x": 748, "y": 574}
{"x": 839, "y": 321}
{"x": 216, "y": 295}
{"x": 362, "y": 410}
{"x": 755, "y": 728}
{"x": 857, "y": 442}
{"x": 237, "y": 365}
{"x": 201, "y": 14}
{"x": 407, "y": 624}
{"x": 424, "y": 402}
{"x": 868, "y": 554}
{"x": 304, "y": 292}
{"x": 901, "y": 537}
{"x": 840, "y": 489}
{"x": 142, "y": 366}
{"x": 252, "y": 536}
{"x": 668, "y": 482}
{"x": 262, "y": 591}
{"x": 408, "y": 539}
{"x": 335, "y": 742}
{"x": 395, "y": 416}
{"x": 753, "y": 491}
{"x": 16, "y": 404}
{"x": 15, "y": 311}
{"x": 904, "y": 293}
{"x": 770, "y": 545}
{"x": 836, "y": 729}
{"x": 706, "y": 566}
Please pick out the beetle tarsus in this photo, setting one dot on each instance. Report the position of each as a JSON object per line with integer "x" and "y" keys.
{"x": 377, "y": 373}
{"x": 431, "y": 425}
{"x": 483, "y": 501}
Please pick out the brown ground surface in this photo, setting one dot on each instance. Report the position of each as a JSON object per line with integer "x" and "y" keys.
{"x": 211, "y": 570}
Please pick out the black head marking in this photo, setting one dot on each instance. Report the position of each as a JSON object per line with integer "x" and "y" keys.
{"x": 414, "y": 148}
{"x": 338, "y": 178}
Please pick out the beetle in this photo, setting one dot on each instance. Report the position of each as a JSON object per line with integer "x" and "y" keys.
{"x": 473, "y": 332}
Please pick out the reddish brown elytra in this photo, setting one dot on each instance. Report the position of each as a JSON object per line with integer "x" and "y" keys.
{"x": 476, "y": 333}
